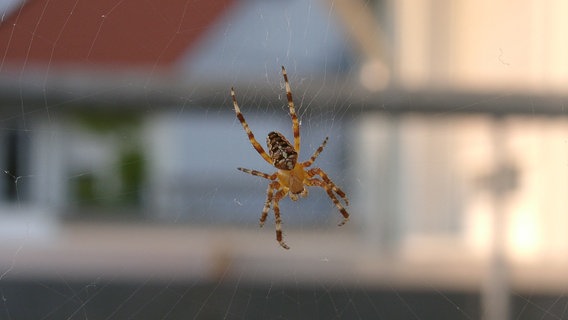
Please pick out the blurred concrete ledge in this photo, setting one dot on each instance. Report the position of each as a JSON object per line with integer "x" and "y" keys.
{"x": 144, "y": 252}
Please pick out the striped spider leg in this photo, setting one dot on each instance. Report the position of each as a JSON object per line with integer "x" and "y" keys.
{"x": 292, "y": 177}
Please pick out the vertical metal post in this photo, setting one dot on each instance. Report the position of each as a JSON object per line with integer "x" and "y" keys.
{"x": 495, "y": 294}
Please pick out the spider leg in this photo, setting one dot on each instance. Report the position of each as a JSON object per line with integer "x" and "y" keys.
{"x": 295, "y": 122}
{"x": 278, "y": 221}
{"x": 251, "y": 137}
{"x": 316, "y": 154}
{"x": 269, "y": 195}
{"x": 317, "y": 171}
{"x": 328, "y": 190}
{"x": 259, "y": 174}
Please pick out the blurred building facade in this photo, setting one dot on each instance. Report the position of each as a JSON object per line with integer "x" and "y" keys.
{"x": 442, "y": 116}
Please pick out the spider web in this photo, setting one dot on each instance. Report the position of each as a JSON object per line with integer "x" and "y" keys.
{"x": 120, "y": 197}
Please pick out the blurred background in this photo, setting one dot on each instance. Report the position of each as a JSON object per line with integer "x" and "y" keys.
{"x": 120, "y": 198}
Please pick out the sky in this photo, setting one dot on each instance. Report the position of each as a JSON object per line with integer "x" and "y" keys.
{"x": 7, "y": 4}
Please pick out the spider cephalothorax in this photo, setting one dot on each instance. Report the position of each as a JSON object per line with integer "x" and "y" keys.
{"x": 292, "y": 177}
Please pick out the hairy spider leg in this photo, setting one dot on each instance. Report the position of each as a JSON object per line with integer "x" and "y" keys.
{"x": 328, "y": 190}
{"x": 318, "y": 171}
{"x": 295, "y": 122}
{"x": 250, "y": 135}
{"x": 271, "y": 198}
{"x": 278, "y": 221}
{"x": 316, "y": 154}
{"x": 269, "y": 195}
{"x": 259, "y": 174}
{"x": 269, "y": 192}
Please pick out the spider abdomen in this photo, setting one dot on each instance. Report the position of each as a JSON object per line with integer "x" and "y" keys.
{"x": 282, "y": 153}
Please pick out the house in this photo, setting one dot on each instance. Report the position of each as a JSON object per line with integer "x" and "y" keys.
{"x": 439, "y": 120}
{"x": 69, "y": 64}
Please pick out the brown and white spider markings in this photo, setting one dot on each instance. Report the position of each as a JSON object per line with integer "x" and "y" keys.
{"x": 292, "y": 177}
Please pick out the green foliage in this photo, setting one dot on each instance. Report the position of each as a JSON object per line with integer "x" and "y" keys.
{"x": 93, "y": 189}
{"x": 104, "y": 122}
{"x": 131, "y": 168}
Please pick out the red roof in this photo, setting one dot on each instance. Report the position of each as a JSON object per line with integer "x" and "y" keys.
{"x": 128, "y": 33}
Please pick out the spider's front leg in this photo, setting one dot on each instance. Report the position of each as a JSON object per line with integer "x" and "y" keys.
{"x": 259, "y": 174}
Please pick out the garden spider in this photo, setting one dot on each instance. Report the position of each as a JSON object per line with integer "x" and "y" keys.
{"x": 292, "y": 176}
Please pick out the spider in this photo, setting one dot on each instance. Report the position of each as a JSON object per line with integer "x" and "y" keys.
{"x": 292, "y": 177}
